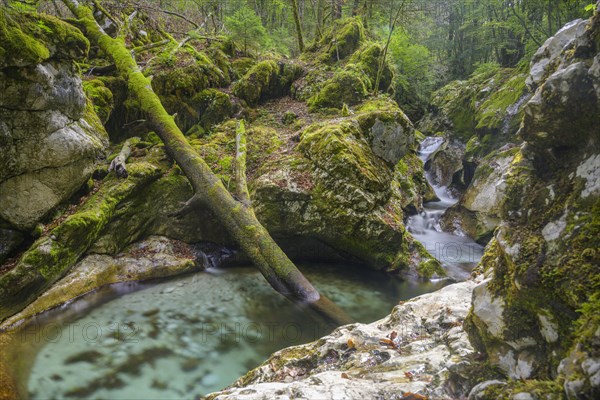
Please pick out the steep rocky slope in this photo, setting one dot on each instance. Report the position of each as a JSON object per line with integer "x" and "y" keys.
{"x": 330, "y": 184}
{"x": 536, "y": 316}
{"x": 533, "y": 320}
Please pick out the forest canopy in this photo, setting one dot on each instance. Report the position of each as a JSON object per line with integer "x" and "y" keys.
{"x": 430, "y": 42}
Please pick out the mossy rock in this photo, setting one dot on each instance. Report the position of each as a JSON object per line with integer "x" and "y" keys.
{"x": 266, "y": 80}
{"x": 367, "y": 59}
{"x": 241, "y": 66}
{"x": 101, "y": 97}
{"x": 178, "y": 85}
{"x": 31, "y": 38}
{"x": 341, "y": 41}
{"x": 54, "y": 253}
{"x": 214, "y": 106}
{"x": 484, "y": 110}
{"x": 347, "y": 86}
{"x": 336, "y": 190}
{"x": 430, "y": 268}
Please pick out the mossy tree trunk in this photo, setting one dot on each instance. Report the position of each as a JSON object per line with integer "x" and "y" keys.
{"x": 298, "y": 25}
{"x": 237, "y": 219}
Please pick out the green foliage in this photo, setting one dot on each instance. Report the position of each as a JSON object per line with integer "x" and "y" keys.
{"x": 166, "y": 59}
{"x": 590, "y": 8}
{"x": 415, "y": 77}
{"x": 246, "y": 29}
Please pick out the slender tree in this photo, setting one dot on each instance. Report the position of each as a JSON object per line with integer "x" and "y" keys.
{"x": 298, "y": 25}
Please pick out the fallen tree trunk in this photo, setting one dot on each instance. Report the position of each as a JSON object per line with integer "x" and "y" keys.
{"x": 237, "y": 219}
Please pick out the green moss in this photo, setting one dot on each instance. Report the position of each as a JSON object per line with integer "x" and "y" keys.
{"x": 241, "y": 66}
{"x": 52, "y": 255}
{"x": 177, "y": 86}
{"x": 267, "y": 79}
{"x": 367, "y": 60}
{"x": 16, "y": 47}
{"x": 430, "y": 268}
{"x": 480, "y": 108}
{"x": 218, "y": 149}
{"x": 379, "y": 104}
{"x": 492, "y": 112}
{"x": 101, "y": 97}
{"x": 346, "y": 87}
{"x": 538, "y": 389}
{"x": 342, "y": 150}
{"x": 30, "y": 38}
{"x": 214, "y": 107}
{"x": 341, "y": 41}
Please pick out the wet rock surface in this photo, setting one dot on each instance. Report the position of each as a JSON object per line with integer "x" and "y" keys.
{"x": 155, "y": 257}
{"x": 534, "y": 318}
{"x": 418, "y": 348}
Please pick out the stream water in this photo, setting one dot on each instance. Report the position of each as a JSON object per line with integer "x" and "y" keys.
{"x": 192, "y": 335}
{"x": 196, "y": 334}
{"x": 458, "y": 253}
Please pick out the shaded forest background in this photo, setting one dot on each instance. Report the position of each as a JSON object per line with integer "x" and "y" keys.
{"x": 430, "y": 42}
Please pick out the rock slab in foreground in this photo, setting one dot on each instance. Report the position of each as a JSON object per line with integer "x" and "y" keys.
{"x": 419, "y": 348}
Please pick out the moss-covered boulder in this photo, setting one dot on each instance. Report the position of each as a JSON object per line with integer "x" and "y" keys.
{"x": 242, "y": 65}
{"x": 339, "y": 42}
{"x": 215, "y": 107}
{"x": 536, "y": 315}
{"x": 367, "y": 59}
{"x": 28, "y": 39}
{"x": 266, "y": 80}
{"x": 101, "y": 98}
{"x": 50, "y": 135}
{"x": 337, "y": 190}
{"x": 187, "y": 82}
{"x": 347, "y": 86}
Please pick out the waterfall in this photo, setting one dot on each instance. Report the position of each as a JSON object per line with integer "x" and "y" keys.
{"x": 457, "y": 253}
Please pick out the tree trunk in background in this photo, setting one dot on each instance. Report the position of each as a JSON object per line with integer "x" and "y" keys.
{"x": 239, "y": 222}
{"x": 298, "y": 25}
{"x": 355, "y": 8}
{"x": 336, "y": 9}
{"x": 319, "y": 13}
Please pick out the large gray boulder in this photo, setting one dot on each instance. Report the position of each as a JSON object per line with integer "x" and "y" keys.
{"x": 50, "y": 138}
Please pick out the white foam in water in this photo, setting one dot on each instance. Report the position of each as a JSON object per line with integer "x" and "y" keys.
{"x": 458, "y": 253}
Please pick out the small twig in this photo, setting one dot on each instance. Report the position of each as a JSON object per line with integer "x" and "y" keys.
{"x": 142, "y": 7}
{"x": 150, "y": 46}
